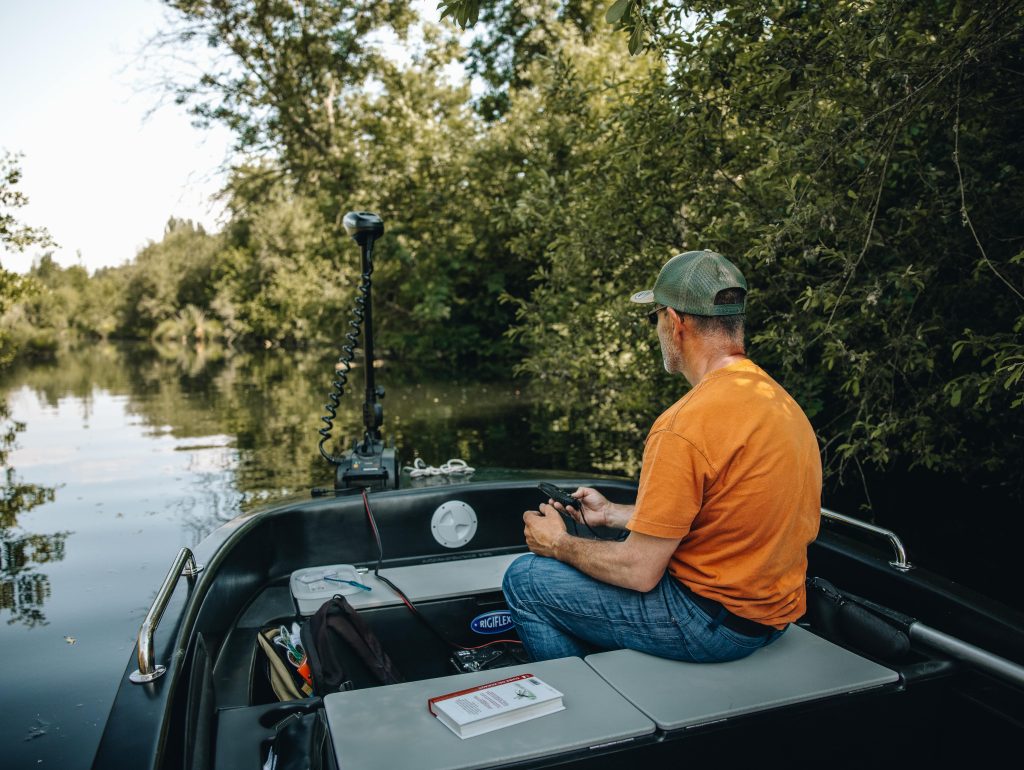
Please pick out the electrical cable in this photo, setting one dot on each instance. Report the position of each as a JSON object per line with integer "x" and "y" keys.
{"x": 345, "y": 359}
{"x": 405, "y": 599}
{"x": 578, "y": 505}
{"x": 618, "y": 538}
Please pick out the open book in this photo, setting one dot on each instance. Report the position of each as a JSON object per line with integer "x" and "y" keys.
{"x": 497, "y": 704}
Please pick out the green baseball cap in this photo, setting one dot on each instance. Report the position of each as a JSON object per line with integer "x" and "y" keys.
{"x": 689, "y": 282}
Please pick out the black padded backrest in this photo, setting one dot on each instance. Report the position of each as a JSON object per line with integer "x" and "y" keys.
{"x": 198, "y": 748}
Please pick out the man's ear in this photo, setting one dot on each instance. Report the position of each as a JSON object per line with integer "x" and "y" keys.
{"x": 678, "y": 320}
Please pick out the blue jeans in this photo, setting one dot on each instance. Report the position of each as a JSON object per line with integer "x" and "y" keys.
{"x": 560, "y": 612}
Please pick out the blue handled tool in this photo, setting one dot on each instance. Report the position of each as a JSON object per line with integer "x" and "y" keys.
{"x": 350, "y": 582}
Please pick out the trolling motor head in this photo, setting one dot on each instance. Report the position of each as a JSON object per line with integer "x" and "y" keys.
{"x": 363, "y": 226}
{"x": 369, "y": 465}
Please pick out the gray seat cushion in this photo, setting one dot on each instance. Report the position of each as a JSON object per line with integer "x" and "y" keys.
{"x": 798, "y": 667}
{"x": 388, "y": 728}
{"x": 419, "y": 582}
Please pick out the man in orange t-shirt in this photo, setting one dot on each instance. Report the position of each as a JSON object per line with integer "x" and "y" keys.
{"x": 714, "y": 563}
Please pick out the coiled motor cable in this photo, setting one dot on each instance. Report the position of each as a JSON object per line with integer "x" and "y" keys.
{"x": 344, "y": 365}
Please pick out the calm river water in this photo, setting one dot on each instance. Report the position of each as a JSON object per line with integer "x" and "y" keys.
{"x": 125, "y": 457}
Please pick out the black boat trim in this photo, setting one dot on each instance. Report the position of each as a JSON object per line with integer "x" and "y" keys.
{"x": 145, "y": 718}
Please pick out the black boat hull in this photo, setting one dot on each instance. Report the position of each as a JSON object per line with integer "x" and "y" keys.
{"x": 942, "y": 707}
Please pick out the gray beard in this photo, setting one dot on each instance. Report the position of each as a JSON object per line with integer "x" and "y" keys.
{"x": 665, "y": 356}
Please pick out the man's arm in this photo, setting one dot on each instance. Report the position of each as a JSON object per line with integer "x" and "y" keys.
{"x": 638, "y": 562}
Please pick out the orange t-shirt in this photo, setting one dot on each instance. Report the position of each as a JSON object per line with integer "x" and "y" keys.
{"x": 733, "y": 469}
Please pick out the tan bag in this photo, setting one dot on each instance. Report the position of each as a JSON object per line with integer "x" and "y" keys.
{"x": 284, "y": 679}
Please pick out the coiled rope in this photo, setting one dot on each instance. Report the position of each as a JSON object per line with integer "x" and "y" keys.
{"x": 454, "y": 467}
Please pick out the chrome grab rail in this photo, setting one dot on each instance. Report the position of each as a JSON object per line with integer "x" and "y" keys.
{"x": 1001, "y": 668}
{"x": 901, "y": 562}
{"x": 184, "y": 564}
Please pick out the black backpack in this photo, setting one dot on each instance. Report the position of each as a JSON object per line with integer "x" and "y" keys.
{"x": 342, "y": 650}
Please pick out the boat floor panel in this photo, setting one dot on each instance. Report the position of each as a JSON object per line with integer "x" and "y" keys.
{"x": 797, "y": 668}
{"x": 387, "y": 728}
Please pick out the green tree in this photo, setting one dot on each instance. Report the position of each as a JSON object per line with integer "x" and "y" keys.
{"x": 274, "y": 280}
{"x": 14, "y": 236}
{"x": 168, "y": 275}
{"x": 511, "y": 36}
{"x": 861, "y": 163}
{"x": 355, "y": 131}
{"x": 287, "y": 71}
{"x": 594, "y": 213}
{"x": 66, "y": 307}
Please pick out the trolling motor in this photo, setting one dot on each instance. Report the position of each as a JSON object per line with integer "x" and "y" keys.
{"x": 369, "y": 465}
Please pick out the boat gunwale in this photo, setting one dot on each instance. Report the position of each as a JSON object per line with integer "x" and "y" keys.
{"x": 215, "y": 549}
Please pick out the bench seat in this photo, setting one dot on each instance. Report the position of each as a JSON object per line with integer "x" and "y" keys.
{"x": 799, "y": 667}
{"x": 389, "y": 728}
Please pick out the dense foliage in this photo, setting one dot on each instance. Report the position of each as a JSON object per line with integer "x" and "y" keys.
{"x": 15, "y": 236}
{"x": 859, "y": 160}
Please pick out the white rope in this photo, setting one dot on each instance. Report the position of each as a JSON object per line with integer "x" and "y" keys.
{"x": 454, "y": 467}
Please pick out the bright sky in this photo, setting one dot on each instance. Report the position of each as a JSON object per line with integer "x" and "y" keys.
{"x": 103, "y": 170}
{"x": 100, "y": 176}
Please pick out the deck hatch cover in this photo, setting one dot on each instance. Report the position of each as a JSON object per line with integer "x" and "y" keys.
{"x": 453, "y": 524}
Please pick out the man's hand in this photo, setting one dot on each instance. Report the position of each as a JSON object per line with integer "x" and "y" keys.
{"x": 638, "y": 562}
{"x": 543, "y": 529}
{"x": 598, "y": 509}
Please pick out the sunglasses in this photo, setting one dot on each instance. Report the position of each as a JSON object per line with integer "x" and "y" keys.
{"x": 652, "y": 317}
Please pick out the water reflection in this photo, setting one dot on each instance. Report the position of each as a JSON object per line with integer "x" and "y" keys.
{"x": 149, "y": 450}
{"x": 194, "y": 436}
{"x": 23, "y": 589}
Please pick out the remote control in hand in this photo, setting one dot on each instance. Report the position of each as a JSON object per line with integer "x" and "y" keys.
{"x": 560, "y": 495}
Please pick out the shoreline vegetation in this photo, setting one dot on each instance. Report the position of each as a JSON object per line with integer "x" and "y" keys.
{"x": 252, "y": 417}
{"x": 861, "y": 163}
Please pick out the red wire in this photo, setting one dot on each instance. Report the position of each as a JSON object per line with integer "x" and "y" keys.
{"x": 405, "y": 600}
